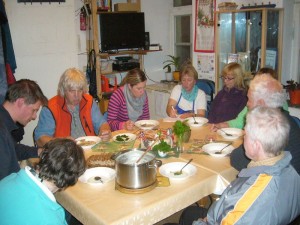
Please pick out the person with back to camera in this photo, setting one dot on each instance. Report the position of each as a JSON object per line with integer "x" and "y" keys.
{"x": 264, "y": 90}
{"x": 26, "y": 197}
{"x": 72, "y": 113}
{"x": 267, "y": 191}
{"x": 187, "y": 99}
{"x": 22, "y": 101}
{"x": 232, "y": 98}
{"x": 129, "y": 103}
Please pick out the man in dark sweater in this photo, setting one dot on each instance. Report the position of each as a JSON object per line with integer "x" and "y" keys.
{"x": 266, "y": 91}
{"x": 22, "y": 102}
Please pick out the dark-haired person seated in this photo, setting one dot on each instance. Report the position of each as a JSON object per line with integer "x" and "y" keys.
{"x": 266, "y": 192}
{"x": 22, "y": 102}
{"x": 26, "y": 197}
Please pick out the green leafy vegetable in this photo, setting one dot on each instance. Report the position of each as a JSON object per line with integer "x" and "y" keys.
{"x": 123, "y": 137}
{"x": 162, "y": 146}
{"x": 179, "y": 128}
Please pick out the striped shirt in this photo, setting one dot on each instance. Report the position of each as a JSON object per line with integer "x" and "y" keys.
{"x": 117, "y": 110}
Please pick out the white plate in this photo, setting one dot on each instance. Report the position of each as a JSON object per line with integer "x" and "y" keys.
{"x": 168, "y": 170}
{"x": 234, "y": 131}
{"x": 201, "y": 121}
{"x": 211, "y": 148}
{"x": 130, "y": 137}
{"x": 87, "y": 142}
{"x": 106, "y": 174}
{"x": 146, "y": 124}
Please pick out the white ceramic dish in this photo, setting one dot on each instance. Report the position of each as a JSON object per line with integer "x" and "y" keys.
{"x": 200, "y": 120}
{"x": 127, "y": 137}
{"x": 91, "y": 176}
{"x": 146, "y": 124}
{"x": 87, "y": 142}
{"x": 169, "y": 169}
{"x": 211, "y": 148}
{"x": 236, "y": 133}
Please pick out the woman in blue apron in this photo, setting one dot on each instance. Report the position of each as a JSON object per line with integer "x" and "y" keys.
{"x": 187, "y": 99}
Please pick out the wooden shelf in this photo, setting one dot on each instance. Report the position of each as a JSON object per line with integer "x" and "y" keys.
{"x": 105, "y": 55}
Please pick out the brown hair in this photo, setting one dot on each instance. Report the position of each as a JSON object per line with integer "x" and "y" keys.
{"x": 266, "y": 70}
{"x": 133, "y": 77}
{"x": 237, "y": 72}
{"x": 27, "y": 89}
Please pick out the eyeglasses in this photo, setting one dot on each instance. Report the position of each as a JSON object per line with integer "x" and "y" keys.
{"x": 227, "y": 78}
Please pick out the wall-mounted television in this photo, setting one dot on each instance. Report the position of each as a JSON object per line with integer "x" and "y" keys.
{"x": 122, "y": 31}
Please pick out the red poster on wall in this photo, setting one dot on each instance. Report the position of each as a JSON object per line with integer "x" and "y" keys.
{"x": 204, "y": 26}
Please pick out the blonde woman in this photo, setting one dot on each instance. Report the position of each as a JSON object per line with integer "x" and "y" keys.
{"x": 232, "y": 98}
{"x": 187, "y": 99}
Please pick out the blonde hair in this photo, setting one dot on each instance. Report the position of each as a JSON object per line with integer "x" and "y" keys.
{"x": 72, "y": 79}
{"x": 236, "y": 71}
{"x": 188, "y": 69}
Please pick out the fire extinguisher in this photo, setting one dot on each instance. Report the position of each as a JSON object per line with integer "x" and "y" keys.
{"x": 82, "y": 19}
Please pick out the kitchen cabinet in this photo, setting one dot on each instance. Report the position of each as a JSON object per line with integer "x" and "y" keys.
{"x": 251, "y": 37}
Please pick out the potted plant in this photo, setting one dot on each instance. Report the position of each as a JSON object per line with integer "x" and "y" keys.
{"x": 175, "y": 62}
{"x": 168, "y": 73}
{"x": 182, "y": 131}
{"x": 293, "y": 88}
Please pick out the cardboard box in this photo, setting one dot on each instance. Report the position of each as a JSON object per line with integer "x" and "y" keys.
{"x": 123, "y": 7}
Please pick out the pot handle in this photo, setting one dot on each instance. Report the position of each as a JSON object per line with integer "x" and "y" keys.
{"x": 157, "y": 164}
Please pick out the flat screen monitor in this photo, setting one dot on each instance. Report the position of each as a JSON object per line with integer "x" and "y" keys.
{"x": 122, "y": 31}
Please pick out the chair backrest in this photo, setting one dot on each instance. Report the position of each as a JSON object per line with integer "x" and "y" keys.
{"x": 297, "y": 120}
{"x": 208, "y": 86}
{"x": 105, "y": 115}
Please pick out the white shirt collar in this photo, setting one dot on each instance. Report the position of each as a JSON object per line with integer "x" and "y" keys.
{"x": 32, "y": 174}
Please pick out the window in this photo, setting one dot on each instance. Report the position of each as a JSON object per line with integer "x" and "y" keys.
{"x": 177, "y": 3}
{"x": 182, "y": 32}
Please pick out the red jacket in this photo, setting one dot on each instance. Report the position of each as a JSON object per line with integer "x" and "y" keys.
{"x": 63, "y": 118}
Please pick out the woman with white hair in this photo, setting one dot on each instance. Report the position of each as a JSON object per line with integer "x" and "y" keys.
{"x": 72, "y": 113}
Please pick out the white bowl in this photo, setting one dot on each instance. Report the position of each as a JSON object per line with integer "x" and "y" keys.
{"x": 212, "y": 148}
{"x": 106, "y": 174}
{"x": 169, "y": 169}
{"x": 87, "y": 142}
{"x": 127, "y": 137}
{"x": 146, "y": 124}
{"x": 235, "y": 132}
{"x": 200, "y": 121}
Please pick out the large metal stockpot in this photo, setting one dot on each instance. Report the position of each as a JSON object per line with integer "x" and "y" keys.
{"x": 131, "y": 175}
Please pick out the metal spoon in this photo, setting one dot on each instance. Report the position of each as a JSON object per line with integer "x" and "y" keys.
{"x": 227, "y": 134}
{"x": 195, "y": 122}
{"x": 220, "y": 151}
{"x": 180, "y": 171}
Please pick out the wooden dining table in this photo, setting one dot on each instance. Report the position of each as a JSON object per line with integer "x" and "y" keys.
{"x": 104, "y": 204}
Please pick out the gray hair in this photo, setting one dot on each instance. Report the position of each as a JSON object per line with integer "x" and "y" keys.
{"x": 72, "y": 79}
{"x": 266, "y": 88}
{"x": 270, "y": 127}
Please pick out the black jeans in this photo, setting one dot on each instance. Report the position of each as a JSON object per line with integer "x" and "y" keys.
{"x": 190, "y": 214}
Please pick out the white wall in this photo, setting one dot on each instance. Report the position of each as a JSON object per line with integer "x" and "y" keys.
{"x": 47, "y": 41}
